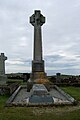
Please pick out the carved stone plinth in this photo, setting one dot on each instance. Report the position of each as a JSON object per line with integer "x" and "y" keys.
{"x": 3, "y": 79}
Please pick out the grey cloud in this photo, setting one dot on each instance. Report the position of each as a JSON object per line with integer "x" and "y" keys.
{"x": 53, "y": 58}
{"x": 61, "y": 62}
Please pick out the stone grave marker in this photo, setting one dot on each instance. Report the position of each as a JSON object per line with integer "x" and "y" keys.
{"x": 3, "y": 77}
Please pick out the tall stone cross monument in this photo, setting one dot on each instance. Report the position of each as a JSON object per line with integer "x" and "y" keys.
{"x": 37, "y": 20}
{"x": 2, "y": 69}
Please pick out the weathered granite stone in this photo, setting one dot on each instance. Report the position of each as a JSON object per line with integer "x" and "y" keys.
{"x": 3, "y": 77}
{"x": 37, "y": 20}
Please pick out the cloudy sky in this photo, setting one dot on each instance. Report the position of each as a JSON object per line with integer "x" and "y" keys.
{"x": 61, "y": 34}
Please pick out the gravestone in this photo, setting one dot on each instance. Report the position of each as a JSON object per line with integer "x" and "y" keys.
{"x": 58, "y": 77}
{"x": 37, "y": 20}
{"x": 3, "y": 77}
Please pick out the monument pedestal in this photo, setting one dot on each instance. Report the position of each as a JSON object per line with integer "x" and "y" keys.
{"x": 37, "y": 66}
{"x": 3, "y": 79}
{"x": 38, "y": 75}
{"x": 38, "y": 70}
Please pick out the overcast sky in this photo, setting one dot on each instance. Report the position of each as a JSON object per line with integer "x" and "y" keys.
{"x": 60, "y": 34}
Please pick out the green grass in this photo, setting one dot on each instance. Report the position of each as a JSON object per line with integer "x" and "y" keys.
{"x": 73, "y": 91}
{"x": 2, "y": 100}
{"x": 41, "y": 113}
{"x": 14, "y": 81}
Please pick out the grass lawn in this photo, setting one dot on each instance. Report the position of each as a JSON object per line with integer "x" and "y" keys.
{"x": 73, "y": 91}
{"x": 42, "y": 113}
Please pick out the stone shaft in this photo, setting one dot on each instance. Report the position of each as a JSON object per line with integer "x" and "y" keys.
{"x": 37, "y": 44}
{"x": 2, "y": 64}
{"x": 37, "y": 20}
